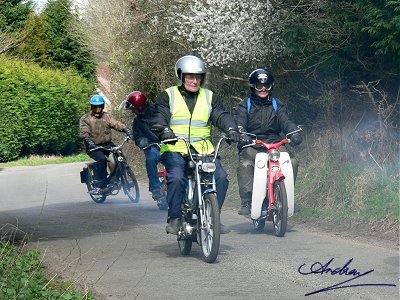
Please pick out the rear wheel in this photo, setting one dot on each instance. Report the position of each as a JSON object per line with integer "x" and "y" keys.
{"x": 210, "y": 228}
{"x": 259, "y": 224}
{"x": 280, "y": 209}
{"x": 185, "y": 246}
{"x": 93, "y": 190}
{"x": 130, "y": 184}
{"x": 162, "y": 202}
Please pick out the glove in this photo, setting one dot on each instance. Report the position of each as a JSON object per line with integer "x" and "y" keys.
{"x": 168, "y": 134}
{"x": 296, "y": 139}
{"x": 128, "y": 132}
{"x": 90, "y": 144}
{"x": 142, "y": 142}
{"x": 245, "y": 139}
{"x": 233, "y": 135}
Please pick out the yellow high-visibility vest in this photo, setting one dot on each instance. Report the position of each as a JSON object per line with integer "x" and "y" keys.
{"x": 195, "y": 128}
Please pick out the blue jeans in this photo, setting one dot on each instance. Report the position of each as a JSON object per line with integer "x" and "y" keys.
{"x": 152, "y": 159}
{"x": 177, "y": 182}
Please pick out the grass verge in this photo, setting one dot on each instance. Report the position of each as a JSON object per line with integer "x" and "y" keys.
{"x": 23, "y": 277}
{"x": 36, "y": 160}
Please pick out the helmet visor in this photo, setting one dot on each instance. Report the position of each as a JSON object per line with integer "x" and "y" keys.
{"x": 263, "y": 86}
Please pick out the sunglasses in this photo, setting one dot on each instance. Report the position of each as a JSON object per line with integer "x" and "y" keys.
{"x": 263, "y": 86}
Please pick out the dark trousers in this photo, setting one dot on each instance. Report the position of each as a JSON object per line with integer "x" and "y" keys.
{"x": 177, "y": 182}
{"x": 152, "y": 159}
{"x": 245, "y": 170}
{"x": 100, "y": 166}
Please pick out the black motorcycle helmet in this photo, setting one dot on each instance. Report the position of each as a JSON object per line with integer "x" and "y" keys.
{"x": 261, "y": 79}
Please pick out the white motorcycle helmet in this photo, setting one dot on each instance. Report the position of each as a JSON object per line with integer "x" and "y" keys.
{"x": 189, "y": 64}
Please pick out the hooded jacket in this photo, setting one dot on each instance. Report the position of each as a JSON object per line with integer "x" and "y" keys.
{"x": 262, "y": 120}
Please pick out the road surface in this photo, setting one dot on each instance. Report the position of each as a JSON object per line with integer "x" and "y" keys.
{"x": 121, "y": 251}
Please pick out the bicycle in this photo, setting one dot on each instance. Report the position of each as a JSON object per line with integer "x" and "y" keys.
{"x": 121, "y": 176}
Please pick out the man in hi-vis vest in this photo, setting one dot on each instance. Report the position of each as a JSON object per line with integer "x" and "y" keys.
{"x": 188, "y": 110}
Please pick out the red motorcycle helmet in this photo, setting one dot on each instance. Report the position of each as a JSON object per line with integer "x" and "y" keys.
{"x": 136, "y": 101}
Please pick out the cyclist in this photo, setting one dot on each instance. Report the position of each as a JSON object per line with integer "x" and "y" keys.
{"x": 266, "y": 117}
{"x": 187, "y": 109}
{"x": 145, "y": 139}
{"x": 95, "y": 130}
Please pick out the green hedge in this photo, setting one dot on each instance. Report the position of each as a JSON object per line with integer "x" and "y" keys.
{"x": 40, "y": 109}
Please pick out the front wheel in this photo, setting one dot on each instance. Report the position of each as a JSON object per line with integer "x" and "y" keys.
{"x": 280, "y": 209}
{"x": 210, "y": 228}
{"x": 130, "y": 185}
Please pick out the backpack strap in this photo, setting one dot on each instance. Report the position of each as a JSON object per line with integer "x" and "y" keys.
{"x": 274, "y": 104}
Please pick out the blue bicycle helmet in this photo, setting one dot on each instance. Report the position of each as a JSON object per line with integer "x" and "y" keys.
{"x": 97, "y": 100}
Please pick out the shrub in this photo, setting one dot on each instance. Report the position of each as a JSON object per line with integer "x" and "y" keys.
{"x": 40, "y": 109}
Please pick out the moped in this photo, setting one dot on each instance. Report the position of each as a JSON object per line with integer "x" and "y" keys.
{"x": 200, "y": 209}
{"x": 273, "y": 186}
{"x": 121, "y": 176}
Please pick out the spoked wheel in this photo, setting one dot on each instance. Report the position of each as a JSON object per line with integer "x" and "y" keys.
{"x": 259, "y": 224}
{"x": 93, "y": 190}
{"x": 130, "y": 184}
{"x": 280, "y": 209}
{"x": 185, "y": 246}
{"x": 210, "y": 229}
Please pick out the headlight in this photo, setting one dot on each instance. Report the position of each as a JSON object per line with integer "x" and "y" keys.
{"x": 120, "y": 159}
{"x": 274, "y": 155}
{"x": 208, "y": 167}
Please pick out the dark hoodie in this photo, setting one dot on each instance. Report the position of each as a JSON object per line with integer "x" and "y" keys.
{"x": 262, "y": 119}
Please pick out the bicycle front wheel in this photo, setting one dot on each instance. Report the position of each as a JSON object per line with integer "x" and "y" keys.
{"x": 280, "y": 209}
{"x": 130, "y": 185}
{"x": 210, "y": 228}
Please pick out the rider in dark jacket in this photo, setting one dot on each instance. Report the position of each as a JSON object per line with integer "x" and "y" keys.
{"x": 266, "y": 117}
{"x": 145, "y": 139}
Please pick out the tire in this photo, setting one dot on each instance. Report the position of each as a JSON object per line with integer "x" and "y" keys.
{"x": 259, "y": 224}
{"x": 130, "y": 184}
{"x": 185, "y": 246}
{"x": 210, "y": 228}
{"x": 280, "y": 209}
{"x": 96, "y": 196}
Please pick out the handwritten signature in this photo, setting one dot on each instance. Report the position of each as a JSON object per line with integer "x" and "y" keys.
{"x": 319, "y": 268}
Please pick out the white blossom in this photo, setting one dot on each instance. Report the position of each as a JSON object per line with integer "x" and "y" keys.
{"x": 228, "y": 31}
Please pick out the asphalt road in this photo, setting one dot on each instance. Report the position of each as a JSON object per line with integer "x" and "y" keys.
{"x": 121, "y": 251}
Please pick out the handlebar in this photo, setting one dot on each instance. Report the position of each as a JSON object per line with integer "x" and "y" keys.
{"x": 112, "y": 149}
{"x": 192, "y": 155}
{"x": 151, "y": 145}
{"x": 272, "y": 145}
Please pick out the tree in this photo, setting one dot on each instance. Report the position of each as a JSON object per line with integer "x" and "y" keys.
{"x": 67, "y": 48}
{"x": 13, "y": 19}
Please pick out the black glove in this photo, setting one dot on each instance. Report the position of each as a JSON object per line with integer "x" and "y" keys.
{"x": 233, "y": 135}
{"x": 245, "y": 139}
{"x": 90, "y": 144}
{"x": 168, "y": 134}
{"x": 142, "y": 142}
{"x": 128, "y": 132}
{"x": 296, "y": 139}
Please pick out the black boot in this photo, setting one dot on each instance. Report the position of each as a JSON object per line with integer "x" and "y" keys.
{"x": 245, "y": 209}
{"x": 173, "y": 226}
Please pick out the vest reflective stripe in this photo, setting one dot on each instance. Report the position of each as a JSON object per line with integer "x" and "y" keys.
{"x": 193, "y": 127}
